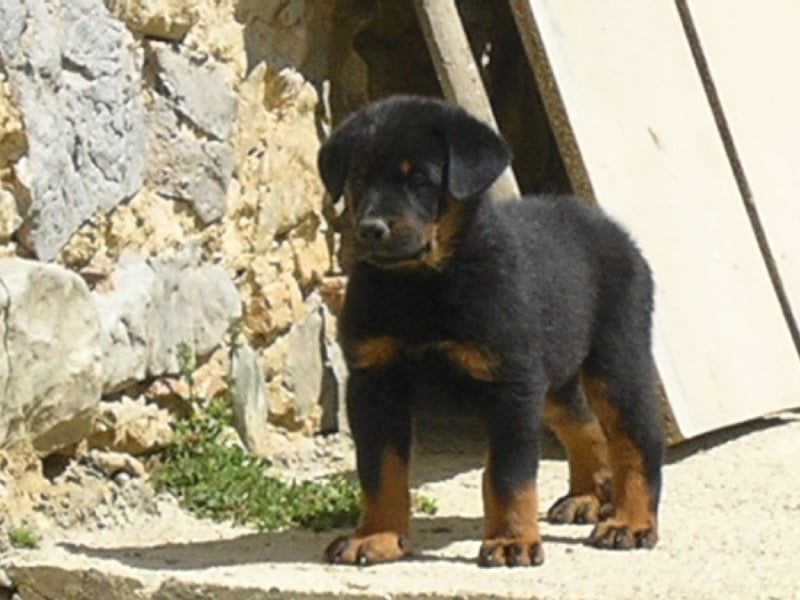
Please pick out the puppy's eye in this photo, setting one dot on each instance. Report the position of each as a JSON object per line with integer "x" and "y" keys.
{"x": 411, "y": 174}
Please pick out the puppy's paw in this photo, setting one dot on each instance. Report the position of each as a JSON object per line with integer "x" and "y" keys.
{"x": 511, "y": 552}
{"x": 366, "y": 550}
{"x": 584, "y": 508}
{"x": 618, "y": 535}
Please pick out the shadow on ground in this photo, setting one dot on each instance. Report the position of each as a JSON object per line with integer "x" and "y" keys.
{"x": 430, "y": 535}
{"x": 443, "y": 451}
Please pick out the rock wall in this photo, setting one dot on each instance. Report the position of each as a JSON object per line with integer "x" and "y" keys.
{"x": 165, "y": 151}
{"x": 162, "y": 154}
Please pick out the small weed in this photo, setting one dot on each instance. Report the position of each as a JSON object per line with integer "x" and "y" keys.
{"x": 23, "y": 536}
{"x": 219, "y": 480}
{"x": 187, "y": 363}
{"x": 424, "y": 505}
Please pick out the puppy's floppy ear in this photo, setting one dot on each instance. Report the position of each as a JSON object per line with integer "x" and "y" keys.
{"x": 477, "y": 155}
{"x": 333, "y": 160}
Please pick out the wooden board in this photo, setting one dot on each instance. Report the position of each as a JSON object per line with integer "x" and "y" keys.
{"x": 459, "y": 75}
{"x": 633, "y": 121}
{"x": 753, "y": 51}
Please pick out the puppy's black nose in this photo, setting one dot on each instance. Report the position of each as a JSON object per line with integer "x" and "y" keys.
{"x": 373, "y": 229}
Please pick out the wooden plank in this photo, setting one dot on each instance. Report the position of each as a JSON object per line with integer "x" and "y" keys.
{"x": 458, "y": 74}
{"x": 639, "y": 127}
{"x": 752, "y": 50}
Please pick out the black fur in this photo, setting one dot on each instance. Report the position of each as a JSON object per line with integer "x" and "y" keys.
{"x": 549, "y": 286}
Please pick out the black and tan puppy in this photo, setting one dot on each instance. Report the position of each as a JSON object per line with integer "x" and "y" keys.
{"x": 521, "y": 311}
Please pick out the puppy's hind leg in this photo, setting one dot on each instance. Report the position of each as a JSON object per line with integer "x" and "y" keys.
{"x": 588, "y": 500}
{"x": 621, "y": 390}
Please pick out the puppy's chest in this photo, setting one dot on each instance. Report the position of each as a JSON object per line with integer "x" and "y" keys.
{"x": 467, "y": 358}
{"x": 427, "y": 330}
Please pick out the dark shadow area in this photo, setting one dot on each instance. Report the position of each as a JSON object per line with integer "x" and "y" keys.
{"x": 447, "y": 443}
{"x": 707, "y": 441}
{"x": 295, "y": 545}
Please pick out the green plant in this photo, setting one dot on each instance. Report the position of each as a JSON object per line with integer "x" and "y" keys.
{"x": 23, "y": 536}
{"x": 187, "y": 363}
{"x": 233, "y": 334}
{"x": 424, "y": 505}
{"x": 219, "y": 480}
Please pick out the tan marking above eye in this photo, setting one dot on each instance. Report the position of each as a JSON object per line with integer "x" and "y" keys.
{"x": 406, "y": 166}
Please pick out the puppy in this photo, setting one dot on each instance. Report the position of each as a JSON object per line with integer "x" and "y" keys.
{"x": 524, "y": 311}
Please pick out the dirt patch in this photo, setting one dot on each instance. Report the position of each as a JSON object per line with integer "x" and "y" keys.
{"x": 730, "y": 528}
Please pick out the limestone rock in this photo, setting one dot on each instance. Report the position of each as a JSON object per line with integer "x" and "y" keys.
{"x": 12, "y": 132}
{"x": 334, "y": 381}
{"x": 50, "y": 355}
{"x": 277, "y": 305}
{"x": 157, "y": 305}
{"x": 303, "y": 369}
{"x": 131, "y": 426}
{"x": 194, "y": 85}
{"x": 172, "y": 393}
{"x": 182, "y": 167}
{"x": 124, "y": 313}
{"x": 161, "y": 19}
{"x": 77, "y": 81}
{"x": 305, "y": 372}
{"x": 5, "y": 359}
{"x": 182, "y": 164}
{"x": 250, "y": 412}
{"x": 193, "y": 303}
{"x": 111, "y": 464}
{"x": 292, "y": 147}
{"x": 9, "y": 217}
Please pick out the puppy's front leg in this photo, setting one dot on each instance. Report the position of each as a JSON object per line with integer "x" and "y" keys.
{"x": 381, "y": 425}
{"x": 511, "y": 529}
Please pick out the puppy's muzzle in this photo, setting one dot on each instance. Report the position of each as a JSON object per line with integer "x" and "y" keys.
{"x": 389, "y": 242}
{"x": 373, "y": 231}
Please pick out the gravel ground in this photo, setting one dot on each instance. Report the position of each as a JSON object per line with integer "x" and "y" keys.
{"x": 730, "y": 528}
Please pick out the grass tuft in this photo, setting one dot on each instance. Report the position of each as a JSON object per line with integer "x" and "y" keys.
{"x": 23, "y": 536}
{"x": 219, "y": 480}
{"x": 215, "y": 478}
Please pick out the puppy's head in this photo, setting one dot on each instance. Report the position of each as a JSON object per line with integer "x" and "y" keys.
{"x": 406, "y": 166}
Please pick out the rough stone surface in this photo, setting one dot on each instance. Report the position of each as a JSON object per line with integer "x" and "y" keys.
{"x": 77, "y": 79}
{"x": 183, "y": 167}
{"x": 250, "y": 413}
{"x": 12, "y": 132}
{"x": 111, "y": 464}
{"x": 220, "y": 91}
{"x": 193, "y": 303}
{"x": 334, "y": 382}
{"x": 51, "y": 355}
{"x": 124, "y": 313}
{"x": 5, "y": 358}
{"x": 194, "y": 85}
{"x": 157, "y": 305}
{"x": 131, "y": 426}
{"x": 9, "y": 216}
{"x": 291, "y": 148}
{"x": 303, "y": 370}
{"x": 160, "y": 19}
